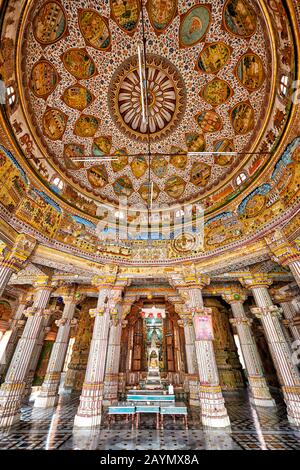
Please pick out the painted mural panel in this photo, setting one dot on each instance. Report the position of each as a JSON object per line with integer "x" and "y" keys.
{"x": 250, "y": 71}
{"x": 54, "y": 123}
{"x": 209, "y": 121}
{"x": 139, "y": 166}
{"x": 86, "y": 126}
{"x": 213, "y": 57}
{"x": 50, "y": 23}
{"x": 175, "y": 186}
{"x": 13, "y": 182}
{"x": 239, "y": 18}
{"x": 200, "y": 174}
{"x": 97, "y": 176}
{"x": 95, "y": 29}
{"x": 126, "y": 14}
{"x": 101, "y": 146}
{"x": 161, "y": 13}
{"x": 216, "y": 92}
{"x": 72, "y": 151}
{"x": 194, "y": 25}
{"x": 144, "y": 191}
{"x": 79, "y": 63}
{"x": 178, "y": 158}
{"x": 159, "y": 166}
{"x": 195, "y": 142}
{"x": 123, "y": 186}
{"x": 122, "y": 161}
{"x": 43, "y": 79}
{"x": 242, "y": 118}
{"x": 77, "y": 97}
{"x": 223, "y": 145}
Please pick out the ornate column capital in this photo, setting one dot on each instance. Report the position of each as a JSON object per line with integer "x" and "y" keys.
{"x": 234, "y": 295}
{"x": 71, "y": 295}
{"x": 16, "y": 257}
{"x": 252, "y": 280}
{"x": 241, "y": 321}
{"x": 272, "y": 310}
{"x": 282, "y": 250}
{"x": 201, "y": 311}
{"x": 43, "y": 282}
{"x": 107, "y": 279}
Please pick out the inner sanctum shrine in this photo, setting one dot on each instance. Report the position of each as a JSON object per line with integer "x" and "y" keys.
{"x": 149, "y": 225}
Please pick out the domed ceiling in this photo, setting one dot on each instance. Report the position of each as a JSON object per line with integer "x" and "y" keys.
{"x": 210, "y": 79}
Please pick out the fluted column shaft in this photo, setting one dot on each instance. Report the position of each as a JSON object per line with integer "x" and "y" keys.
{"x": 89, "y": 412}
{"x": 287, "y": 371}
{"x": 259, "y": 390}
{"x": 295, "y": 269}
{"x": 191, "y": 360}
{"x": 213, "y": 410}
{"x": 49, "y": 392}
{"x": 12, "y": 390}
{"x": 5, "y": 274}
{"x": 112, "y": 363}
{"x": 11, "y": 336}
{"x": 290, "y": 315}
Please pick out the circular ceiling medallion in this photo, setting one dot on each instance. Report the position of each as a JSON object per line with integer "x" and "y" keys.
{"x": 165, "y": 101}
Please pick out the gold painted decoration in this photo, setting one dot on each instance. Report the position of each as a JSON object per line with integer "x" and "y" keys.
{"x": 79, "y": 63}
{"x": 123, "y": 186}
{"x": 175, "y": 186}
{"x": 95, "y": 29}
{"x": 144, "y": 191}
{"x": 77, "y": 97}
{"x": 43, "y": 79}
{"x": 122, "y": 161}
{"x": 195, "y": 142}
{"x": 194, "y": 25}
{"x": 159, "y": 166}
{"x": 139, "y": 166}
{"x": 216, "y": 92}
{"x": 86, "y": 126}
{"x": 50, "y": 23}
{"x": 178, "y": 158}
{"x": 161, "y": 13}
{"x": 242, "y": 118}
{"x": 72, "y": 151}
{"x": 200, "y": 174}
{"x": 213, "y": 57}
{"x": 224, "y": 145}
{"x": 97, "y": 176}
{"x": 209, "y": 121}
{"x": 255, "y": 205}
{"x": 126, "y": 14}
{"x": 239, "y": 18}
{"x": 54, "y": 123}
{"x": 101, "y": 146}
{"x": 250, "y": 71}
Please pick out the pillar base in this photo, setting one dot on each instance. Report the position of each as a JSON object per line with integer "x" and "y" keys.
{"x": 7, "y": 421}
{"x": 266, "y": 402}
{"x": 216, "y": 422}
{"x": 45, "y": 402}
{"x": 213, "y": 411}
{"x": 87, "y": 421}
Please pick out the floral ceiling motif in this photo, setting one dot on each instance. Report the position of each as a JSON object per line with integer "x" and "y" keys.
{"x": 206, "y": 81}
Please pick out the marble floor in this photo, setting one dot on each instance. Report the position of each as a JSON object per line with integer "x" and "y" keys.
{"x": 251, "y": 428}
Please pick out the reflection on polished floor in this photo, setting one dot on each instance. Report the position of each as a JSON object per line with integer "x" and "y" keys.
{"x": 251, "y": 428}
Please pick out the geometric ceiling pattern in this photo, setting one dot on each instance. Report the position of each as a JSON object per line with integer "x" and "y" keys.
{"x": 207, "y": 81}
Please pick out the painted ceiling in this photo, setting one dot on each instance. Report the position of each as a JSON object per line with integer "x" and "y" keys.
{"x": 210, "y": 71}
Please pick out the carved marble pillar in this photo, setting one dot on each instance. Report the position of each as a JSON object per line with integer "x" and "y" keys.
{"x": 259, "y": 390}
{"x": 269, "y": 314}
{"x": 12, "y": 390}
{"x": 89, "y": 412}
{"x": 15, "y": 258}
{"x": 292, "y": 319}
{"x": 190, "y": 351}
{"x": 285, "y": 253}
{"x": 111, "y": 379}
{"x": 49, "y": 391}
{"x": 213, "y": 410}
{"x": 11, "y": 335}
